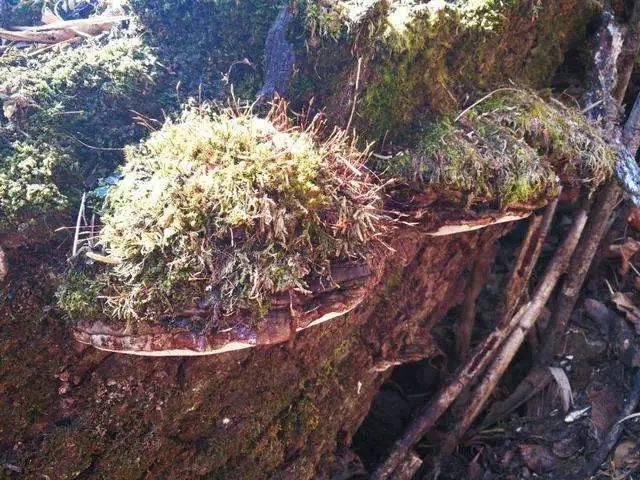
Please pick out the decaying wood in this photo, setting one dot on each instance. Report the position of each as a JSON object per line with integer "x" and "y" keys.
{"x": 481, "y": 270}
{"x": 528, "y": 315}
{"x": 628, "y": 54}
{"x": 4, "y": 265}
{"x": 476, "y": 363}
{"x": 590, "y": 467}
{"x": 63, "y": 30}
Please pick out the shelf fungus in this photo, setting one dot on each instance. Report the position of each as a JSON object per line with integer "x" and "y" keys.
{"x": 214, "y": 217}
{"x": 227, "y": 230}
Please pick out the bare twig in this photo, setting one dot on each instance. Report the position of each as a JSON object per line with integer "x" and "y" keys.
{"x": 355, "y": 94}
{"x": 76, "y": 236}
{"x": 528, "y": 316}
{"x": 487, "y": 96}
{"x": 481, "y": 270}
{"x": 4, "y": 262}
{"x": 579, "y": 267}
{"x": 526, "y": 261}
{"x": 408, "y": 469}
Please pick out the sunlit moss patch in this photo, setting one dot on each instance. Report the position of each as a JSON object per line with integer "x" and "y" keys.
{"x": 514, "y": 146}
{"x": 231, "y": 208}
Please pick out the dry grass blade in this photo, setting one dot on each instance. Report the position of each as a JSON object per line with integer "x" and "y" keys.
{"x": 564, "y": 387}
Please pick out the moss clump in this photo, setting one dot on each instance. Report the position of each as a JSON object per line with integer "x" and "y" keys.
{"x": 232, "y": 208}
{"x": 514, "y": 146}
{"x": 66, "y": 113}
{"x": 20, "y": 12}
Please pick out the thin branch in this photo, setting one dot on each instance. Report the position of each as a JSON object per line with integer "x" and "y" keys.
{"x": 528, "y": 314}
{"x": 481, "y": 270}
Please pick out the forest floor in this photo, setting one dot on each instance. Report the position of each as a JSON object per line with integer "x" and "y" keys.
{"x": 576, "y": 401}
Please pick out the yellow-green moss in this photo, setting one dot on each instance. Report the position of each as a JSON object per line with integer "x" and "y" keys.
{"x": 231, "y": 208}
{"x": 65, "y": 114}
{"x": 426, "y": 58}
{"x": 514, "y": 146}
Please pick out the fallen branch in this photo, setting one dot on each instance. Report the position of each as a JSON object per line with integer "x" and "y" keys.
{"x": 605, "y": 79}
{"x": 528, "y": 316}
{"x": 578, "y": 268}
{"x": 4, "y": 264}
{"x": 525, "y": 263}
{"x": 481, "y": 270}
{"x": 590, "y": 467}
{"x": 62, "y": 31}
{"x": 476, "y": 363}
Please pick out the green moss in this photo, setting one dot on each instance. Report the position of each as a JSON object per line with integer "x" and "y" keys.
{"x": 233, "y": 207}
{"x": 512, "y": 147}
{"x": 202, "y": 41}
{"x": 28, "y": 186}
{"x": 425, "y": 58}
{"x": 23, "y": 12}
{"x": 67, "y": 112}
{"x": 78, "y": 294}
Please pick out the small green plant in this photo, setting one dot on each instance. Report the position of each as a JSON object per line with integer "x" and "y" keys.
{"x": 232, "y": 208}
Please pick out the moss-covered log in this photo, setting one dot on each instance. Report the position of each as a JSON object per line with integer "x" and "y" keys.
{"x": 287, "y": 411}
{"x": 277, "y": 412}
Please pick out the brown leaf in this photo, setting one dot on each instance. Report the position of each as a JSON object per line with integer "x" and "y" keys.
{"x": 634, "y": 218}
{"x": 606, "y": 406}
{"x": 625, "y": 305}
{"x": 625, "y": 252}
{"x": 564, "y": 387}
{"x": 626, "y": 454}
{"x": 538, "y": 458}
{"x": 566, "y": 447}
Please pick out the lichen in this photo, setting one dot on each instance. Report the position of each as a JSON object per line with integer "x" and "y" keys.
{"x": 232, "y": 208}
{"x": 514, "y": 146}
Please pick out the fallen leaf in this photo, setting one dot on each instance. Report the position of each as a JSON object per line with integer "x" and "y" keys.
{"x": 625, "y": 252}
{"x": 634, "y": 218}
{"x": 564, "y": 387}
{"x": 606, "y": 406}
{"x": 626, "y": 454}
{"x": 538, "y": 458}
{"x": 631, "y": 312}
{"x": 567, "y": 447}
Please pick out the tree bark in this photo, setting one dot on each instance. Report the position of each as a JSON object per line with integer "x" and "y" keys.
{"x": 73, "y": 411}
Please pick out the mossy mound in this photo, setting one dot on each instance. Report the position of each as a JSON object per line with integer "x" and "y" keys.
{"x": 67, "y": 113}
{"x": 222, "y": 210}
{"x": 512, "y": 147}
{"x": 415, "y": 59}
{"x": 20, "y": 12}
